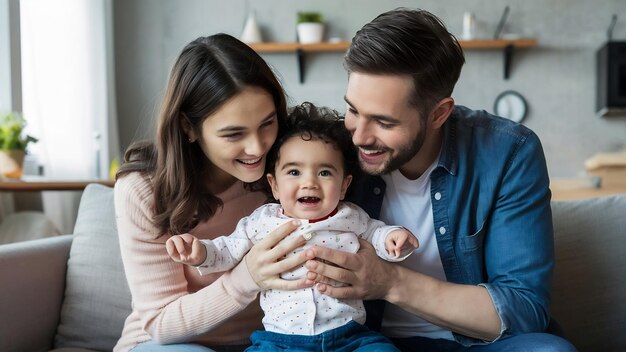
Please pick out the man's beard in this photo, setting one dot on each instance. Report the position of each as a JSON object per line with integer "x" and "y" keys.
{"x": 405, "y": 153}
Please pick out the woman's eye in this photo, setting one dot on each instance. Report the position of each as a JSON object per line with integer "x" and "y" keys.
{"x": 268, "y": 123}
{"x": 232, "y": 135}
{"x": 325, "y": 173}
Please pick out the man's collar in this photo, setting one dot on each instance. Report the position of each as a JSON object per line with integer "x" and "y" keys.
{"x": 449, "y": 149}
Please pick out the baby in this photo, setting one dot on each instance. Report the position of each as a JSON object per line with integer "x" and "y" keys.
{"x": 309, "y": 171}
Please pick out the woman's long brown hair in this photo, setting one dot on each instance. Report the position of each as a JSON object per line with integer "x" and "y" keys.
{"x": 209, "y": 71}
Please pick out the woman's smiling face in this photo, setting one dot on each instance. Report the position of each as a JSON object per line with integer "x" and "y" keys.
{"x": 237, "y": 137}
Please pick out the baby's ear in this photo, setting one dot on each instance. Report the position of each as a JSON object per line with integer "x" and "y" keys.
{"x": 344, "y": 186}
{"x": 273, "y": 185}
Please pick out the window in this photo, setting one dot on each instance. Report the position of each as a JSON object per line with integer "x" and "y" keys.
{"x": 67, "y": 78}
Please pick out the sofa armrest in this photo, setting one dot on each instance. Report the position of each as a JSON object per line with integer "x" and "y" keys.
{"x": 33, "y": 282}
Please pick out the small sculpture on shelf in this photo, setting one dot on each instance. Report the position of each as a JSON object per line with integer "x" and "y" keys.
{"x": 251, "y": 32}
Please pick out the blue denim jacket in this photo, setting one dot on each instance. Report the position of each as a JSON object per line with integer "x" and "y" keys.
{"x": 492, "y": 217}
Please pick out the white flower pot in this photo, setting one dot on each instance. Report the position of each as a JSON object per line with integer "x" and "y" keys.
{"x": 310, "y": 32}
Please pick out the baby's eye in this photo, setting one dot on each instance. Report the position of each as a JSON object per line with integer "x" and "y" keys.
{"x": 325, "y": 173}
{"x": 293, "y": 173}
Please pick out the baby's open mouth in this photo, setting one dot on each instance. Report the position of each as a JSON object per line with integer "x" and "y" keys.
{"x": 308, "y": 200}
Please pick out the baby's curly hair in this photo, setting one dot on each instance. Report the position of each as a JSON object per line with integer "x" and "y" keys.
{"x": 310, "y": 122}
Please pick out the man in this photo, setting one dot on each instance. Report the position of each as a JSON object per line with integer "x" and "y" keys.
{"x": 473, "y": 187}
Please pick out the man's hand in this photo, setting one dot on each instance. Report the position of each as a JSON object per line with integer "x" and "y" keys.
{"x": 366, "y": 275}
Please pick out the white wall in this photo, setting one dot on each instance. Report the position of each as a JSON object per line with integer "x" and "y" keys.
{"x": 557, "y": 78}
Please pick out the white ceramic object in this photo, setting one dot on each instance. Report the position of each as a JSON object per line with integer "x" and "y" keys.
{"x": 469, "y": 26}
{"x": 310, "y": 32}
{"x": 251, "y": 32}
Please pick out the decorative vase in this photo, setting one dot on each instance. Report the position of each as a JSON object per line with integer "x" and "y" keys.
{"x": 310, "y": 32}
{"x": 251, "y": 31}
{"x": 11, "y": 162}
{"x": 469, "y": 26}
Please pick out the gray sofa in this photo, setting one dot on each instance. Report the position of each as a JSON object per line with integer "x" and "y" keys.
{"x": 68, "y": 293}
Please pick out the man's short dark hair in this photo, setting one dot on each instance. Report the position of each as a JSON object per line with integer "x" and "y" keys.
{"x": 409, "y": 42}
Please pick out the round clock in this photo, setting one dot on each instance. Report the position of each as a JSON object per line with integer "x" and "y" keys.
{"x": 511, "y": 105}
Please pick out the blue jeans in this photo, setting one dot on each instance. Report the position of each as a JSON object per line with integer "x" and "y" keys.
{"x": 539, "y": 342}
{"x": 350, "y": 337}
{"x": 151, "y": 346}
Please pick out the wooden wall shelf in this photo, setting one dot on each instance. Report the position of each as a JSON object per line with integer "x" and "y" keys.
{"x": 507, "y": 45}
{"x": 293, "y": 47}
{"x": 300, "y": 49}
{"x": 498, "y": 43}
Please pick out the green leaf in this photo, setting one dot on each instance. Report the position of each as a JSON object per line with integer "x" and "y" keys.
{"x": 309, "y": 17}
{"x": 11, "y": 132}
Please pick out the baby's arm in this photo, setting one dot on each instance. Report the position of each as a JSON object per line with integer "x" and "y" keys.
{"x": 379, "y": 234}
{"x": 400, "y": 243}
{"x": 216, "y": 255}
{"x": 209, "y": 256}
{"x": 186, "y": 249}
{"x": 224, "y": 252}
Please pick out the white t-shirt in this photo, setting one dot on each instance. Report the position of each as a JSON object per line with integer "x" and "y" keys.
{"x": 408, "y": 203}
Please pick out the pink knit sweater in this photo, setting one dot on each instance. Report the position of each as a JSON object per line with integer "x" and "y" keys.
{"x": 172, "y": 302}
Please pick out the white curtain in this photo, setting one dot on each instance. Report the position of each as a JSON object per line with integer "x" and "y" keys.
{"x": 68, "y": 94}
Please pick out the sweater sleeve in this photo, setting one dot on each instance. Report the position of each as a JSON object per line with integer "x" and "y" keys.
{"x": 168, "y": 312}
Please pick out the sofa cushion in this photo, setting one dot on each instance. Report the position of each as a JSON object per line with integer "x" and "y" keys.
{"x": 589, "y": 298}
{"x": 97, "y": 298}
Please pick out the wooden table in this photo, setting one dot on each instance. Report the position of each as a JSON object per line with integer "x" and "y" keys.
{"x": 40, "y": 184}
{"x": 573, "y": 194}
{"x": 582, "y": 188}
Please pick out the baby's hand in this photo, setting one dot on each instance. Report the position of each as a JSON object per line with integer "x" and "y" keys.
{"x": 400, "y": 241}
{"x": 186, "y": 249}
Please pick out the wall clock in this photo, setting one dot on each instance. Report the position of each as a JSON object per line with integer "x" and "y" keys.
{"x": 511, "y": 105}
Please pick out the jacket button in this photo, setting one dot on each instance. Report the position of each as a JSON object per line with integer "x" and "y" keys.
{"x": 376, "y": 190}
{"x": 437, "y": 196}
{"x": 442, "y": 230}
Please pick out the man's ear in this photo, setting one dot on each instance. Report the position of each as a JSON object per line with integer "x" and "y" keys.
{"x": 344, "y": 186}
{"x": 440, "y": 112}
{"x": 186, "y": 126}
{"x": 273, "y": 185}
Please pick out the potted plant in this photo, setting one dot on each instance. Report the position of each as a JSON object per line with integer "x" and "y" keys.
{"x": 13, "y": 144}
{"x": 310, "y": 27}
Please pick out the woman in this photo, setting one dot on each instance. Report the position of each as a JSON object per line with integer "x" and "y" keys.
{"x": 221, "y": 113}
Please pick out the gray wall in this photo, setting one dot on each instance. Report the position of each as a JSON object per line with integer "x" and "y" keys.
{"x": 557, "y": 77}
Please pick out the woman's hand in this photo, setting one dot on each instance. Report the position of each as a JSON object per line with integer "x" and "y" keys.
{"x": 266, "y": 260}
{"x": 366, "y": 275}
